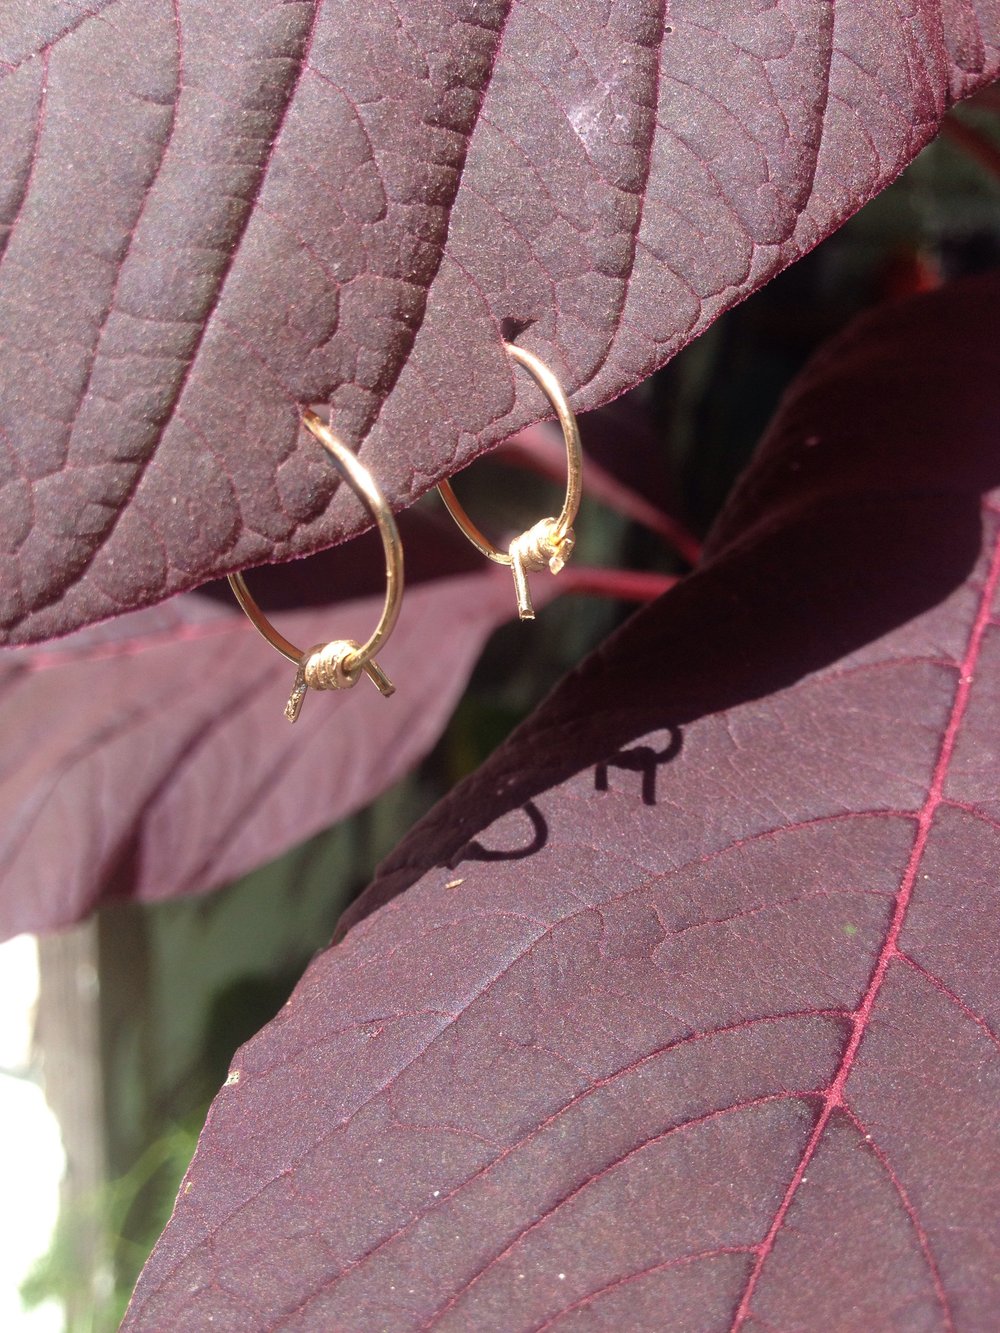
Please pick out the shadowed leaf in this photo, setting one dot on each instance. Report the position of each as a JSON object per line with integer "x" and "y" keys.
{"x": 150, "y": 757}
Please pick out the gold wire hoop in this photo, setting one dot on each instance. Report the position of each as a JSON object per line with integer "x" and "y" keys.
{"x": 549, "y": 542}
{"x": 337, "y": 665}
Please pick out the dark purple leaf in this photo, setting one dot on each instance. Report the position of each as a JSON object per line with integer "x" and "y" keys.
{"x": 213, "y": 214}
{"x": 150, "y": 757}
{"x": 688, "y": 1017}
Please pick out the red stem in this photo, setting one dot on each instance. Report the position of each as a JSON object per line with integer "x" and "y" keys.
{"x": 624, "y": 584}
{"x": 974, "y": 143}
{"x": 536, "y": 449}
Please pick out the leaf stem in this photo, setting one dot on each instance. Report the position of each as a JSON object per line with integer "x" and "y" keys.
{"x": 540, "y": 452}
{"x": 974, "y": 143}
{"x": 626, "y": 585}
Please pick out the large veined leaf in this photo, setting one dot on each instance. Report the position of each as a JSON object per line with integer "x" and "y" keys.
{"x": 687, "y": 1017}
{"x": 212, "y": 214}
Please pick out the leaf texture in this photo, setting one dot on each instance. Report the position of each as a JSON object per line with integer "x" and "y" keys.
{"x": 213, "y": 214}
{"x": 687, "y": 1017}
{"x": 150, "y": 757}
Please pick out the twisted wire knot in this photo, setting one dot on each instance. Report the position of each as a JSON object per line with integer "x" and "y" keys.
{"x": 325, "y": 666}
{"x": 543, "y": 545}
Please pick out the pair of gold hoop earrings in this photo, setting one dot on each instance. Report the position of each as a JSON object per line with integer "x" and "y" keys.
{"x": 338, "y": 664}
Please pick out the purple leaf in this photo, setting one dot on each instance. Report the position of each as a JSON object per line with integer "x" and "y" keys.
{"x": 211, "y": 215}
{"x": 688, "y": 1016}
{"x": 150, "y": 757}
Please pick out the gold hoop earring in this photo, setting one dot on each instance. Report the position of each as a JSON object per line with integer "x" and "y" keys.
{"x": 549, "y": 542}
{"x": 337, "y": 665}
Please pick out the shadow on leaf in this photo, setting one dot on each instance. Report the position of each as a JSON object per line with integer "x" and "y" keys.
{"x": 860, "y": 512}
